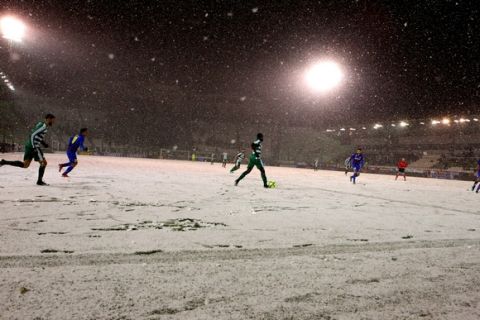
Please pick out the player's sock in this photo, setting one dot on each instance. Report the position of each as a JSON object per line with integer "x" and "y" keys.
{"x": 13, "y": 163}
{"x": 474, "y": 185}
{"x": 478, "y": 187}
{"x": 264, "y": 178}
{"x": 41, "y": 172}
{"x": 63, "y": 165}
{"x": 69, "y": 169}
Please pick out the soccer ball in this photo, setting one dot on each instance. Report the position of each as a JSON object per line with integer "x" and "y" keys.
{"x": 272, "y": 184}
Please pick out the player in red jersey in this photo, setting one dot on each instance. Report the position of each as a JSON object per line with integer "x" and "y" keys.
{"x": 401, "y": 166}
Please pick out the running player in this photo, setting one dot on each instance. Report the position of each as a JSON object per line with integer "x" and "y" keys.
{"x": 255, "y": 161}
{"x": 33, "y": 150}
{"x": 347, "y": 165}
{"x": 315, "y": 165}
{"x": 357, "y": 160}
{"x": 401, "y": 166}
{"x": 476, "y": 182}
{"x": 238, "y": 160}
{"x": 74, "y": 143}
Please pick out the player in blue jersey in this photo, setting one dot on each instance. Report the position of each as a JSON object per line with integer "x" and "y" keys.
{"x": 476, "y": 182}
{"x": 74, "y": 143}
{"x": 357, "y": 160}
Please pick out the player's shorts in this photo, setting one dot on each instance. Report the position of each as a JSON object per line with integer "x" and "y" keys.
{"x": 254, "y": 162}
{"x": 401, "y": 170}
{"x": 72, "y": 156}
{"x": 33, "y": 154}
{"x": 477, "y": 174}
{"x": 356, "y": 168}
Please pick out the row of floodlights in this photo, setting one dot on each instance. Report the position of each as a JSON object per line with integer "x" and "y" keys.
{"x": 403, "y": 124}
{"x": 447, "y": 121}
{"x": 7, "y": 82}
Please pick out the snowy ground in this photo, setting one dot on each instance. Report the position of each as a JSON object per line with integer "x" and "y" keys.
{"x": 150, "y": 239}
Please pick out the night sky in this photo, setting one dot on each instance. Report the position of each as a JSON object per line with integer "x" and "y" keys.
{"x": 244, "y": 60}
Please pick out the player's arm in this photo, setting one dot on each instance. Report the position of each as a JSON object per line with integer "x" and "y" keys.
{"x": 254, "y": 148}
{"x": 352, "y": 159}
{"x": 82, "y": 146}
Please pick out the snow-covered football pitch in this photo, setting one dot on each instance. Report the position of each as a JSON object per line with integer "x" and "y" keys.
{"x": 130, "y": 238}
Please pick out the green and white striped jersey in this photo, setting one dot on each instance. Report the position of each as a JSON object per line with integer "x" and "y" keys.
{"x": 38, "y": 134}
{"x": 257, "y": 148}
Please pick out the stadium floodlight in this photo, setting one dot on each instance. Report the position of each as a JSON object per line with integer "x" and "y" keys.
{"x": 12, "y": 29}
{"x": 364, "y": 128}
{"x": 393, "y": 125}
{"x": 456, "y": 121}
{"x": 352, "y": 129}
{"x": 435, "y": 122}
{"x": 422, "y": 123}
{"x": 403, "y": 124}
{"x": 445, "y": 121}
{"x": 342, "y": 129}
{"x": 462, "y": 120}
{"x": 330, "y": 130}
{"x": 475, "y": 119}
{"x": 324, "y": 76}
{"x": 377, "y": 126}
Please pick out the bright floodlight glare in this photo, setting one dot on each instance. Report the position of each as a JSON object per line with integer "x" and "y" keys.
{"x": 445, "y": 121}
{"x": 377, "y": 126}
{"x": 12, "y": 29}
{"x": 475, "y": 119}
{"x": 403, "y": 124}
{"x": 324, "y": 76}
{"x": 434, "y": 122}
